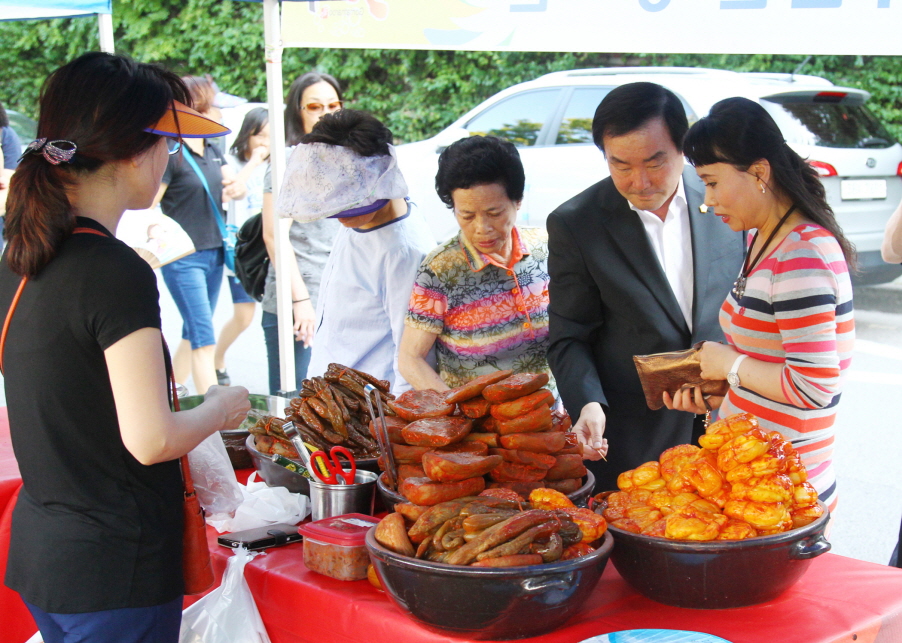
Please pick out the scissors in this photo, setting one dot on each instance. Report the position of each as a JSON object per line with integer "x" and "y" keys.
{"x": 337, "y": 474}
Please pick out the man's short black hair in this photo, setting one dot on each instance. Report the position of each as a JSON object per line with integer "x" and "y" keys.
{"x": 359, "y": 131}
{"x": 629, "y": 107}
{"x": 479, "y": 160}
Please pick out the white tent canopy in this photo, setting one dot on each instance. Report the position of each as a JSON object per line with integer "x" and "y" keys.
{"x": 43, "y": 9}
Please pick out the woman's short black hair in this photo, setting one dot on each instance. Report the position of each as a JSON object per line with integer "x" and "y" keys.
{"x": 351, "y": 128}
{"x": 629, "y": 107}
{"x": 294, "y": 126}
{"x": 479, "y": 160}
{"x": 254, "y": 121}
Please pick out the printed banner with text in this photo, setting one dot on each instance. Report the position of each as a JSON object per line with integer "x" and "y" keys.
{"x": 837, "y": 27}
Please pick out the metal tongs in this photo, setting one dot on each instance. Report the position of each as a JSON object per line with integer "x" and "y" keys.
{"x": 292, "y": 433}
{"x": 391, "y": 471}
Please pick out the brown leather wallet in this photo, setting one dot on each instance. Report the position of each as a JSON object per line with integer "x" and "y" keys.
{"x": 672, "y": 371}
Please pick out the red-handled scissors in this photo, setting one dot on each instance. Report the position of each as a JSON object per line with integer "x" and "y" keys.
{"x": 337, "y": 474}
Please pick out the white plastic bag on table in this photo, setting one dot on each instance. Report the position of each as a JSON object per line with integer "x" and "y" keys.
{"x": 214, "y": 478}
{"x": 228, "y": 614}
{"x": 263, "y": 505}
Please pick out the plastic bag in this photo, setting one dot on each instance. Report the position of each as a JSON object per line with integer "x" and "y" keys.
{"x": 263, "y": 505}
{"x": 214, "y": 478}
{"x": 228, "y": 614}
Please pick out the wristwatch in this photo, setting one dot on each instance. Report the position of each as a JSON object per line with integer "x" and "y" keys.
{"x": 733, "y": 373}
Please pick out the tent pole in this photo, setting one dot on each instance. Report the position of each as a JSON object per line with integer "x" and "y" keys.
{"x": 105, "y": 27}
{"x": 272, "y": 32}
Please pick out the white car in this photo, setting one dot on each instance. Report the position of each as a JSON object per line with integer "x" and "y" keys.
{"x": 550, "y": 120}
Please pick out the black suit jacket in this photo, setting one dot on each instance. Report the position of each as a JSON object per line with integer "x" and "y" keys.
{"x": 610, "y": 300}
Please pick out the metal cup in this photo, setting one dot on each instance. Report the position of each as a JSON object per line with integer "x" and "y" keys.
{"x": 328, "y": 500}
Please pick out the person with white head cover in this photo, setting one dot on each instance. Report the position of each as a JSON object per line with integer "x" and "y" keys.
{"x": 346, "y": 169}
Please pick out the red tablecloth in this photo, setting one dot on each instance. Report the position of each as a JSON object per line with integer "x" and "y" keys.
{"x": 838, "y": 600}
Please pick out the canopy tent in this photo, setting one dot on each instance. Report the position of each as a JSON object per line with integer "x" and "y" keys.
{"x": 42, "y": 9}
{"x": 853, "y": 27}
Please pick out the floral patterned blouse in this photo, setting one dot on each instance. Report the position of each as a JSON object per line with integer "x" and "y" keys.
{"x": 487, "y": 316}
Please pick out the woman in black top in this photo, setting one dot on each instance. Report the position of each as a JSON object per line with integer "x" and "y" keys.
{"x": 96, "y": 547}
{"x": 194, "y": 281}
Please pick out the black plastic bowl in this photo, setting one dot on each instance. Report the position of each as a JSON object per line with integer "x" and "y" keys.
{"x": 484, "y": 603}
{"x": 717, "y": 574}
{"x": 278, "y": 476}
{"x": 391, "y": 497}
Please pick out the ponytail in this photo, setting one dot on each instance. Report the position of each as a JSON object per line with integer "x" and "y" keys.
{"x": 38, "y": 216}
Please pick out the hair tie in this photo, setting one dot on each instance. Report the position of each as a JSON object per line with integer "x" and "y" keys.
{"x": 51, "y": 150}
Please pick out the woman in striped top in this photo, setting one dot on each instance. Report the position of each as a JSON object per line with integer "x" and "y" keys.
{"x": 788, "y": 319}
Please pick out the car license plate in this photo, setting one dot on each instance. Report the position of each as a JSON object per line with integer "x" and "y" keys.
{"x": 852, "y": 190}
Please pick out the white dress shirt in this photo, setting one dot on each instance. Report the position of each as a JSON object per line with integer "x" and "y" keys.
{"x": 671, "y": 239}
{"x": 364, "y": 296}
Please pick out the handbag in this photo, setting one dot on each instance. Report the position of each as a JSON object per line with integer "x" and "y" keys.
{"x": 197, "y": 567}
{"x": 251, "y": 258}
{"x": 227, "y": 232}
{"x": 672, "y": 371}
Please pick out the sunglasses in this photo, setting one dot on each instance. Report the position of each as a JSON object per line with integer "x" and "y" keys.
{"x": 176, "y": 146}
{"x": 317, "y": 108}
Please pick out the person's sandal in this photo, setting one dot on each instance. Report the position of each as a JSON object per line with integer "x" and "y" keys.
{"x": 222, "y": 378}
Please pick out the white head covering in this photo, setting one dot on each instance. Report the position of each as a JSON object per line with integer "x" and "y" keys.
{"x": 324, "y": 180}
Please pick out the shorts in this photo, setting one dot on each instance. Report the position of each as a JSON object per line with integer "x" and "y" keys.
{"x": 239, "y": 295}
{"x": 194, "y": 282}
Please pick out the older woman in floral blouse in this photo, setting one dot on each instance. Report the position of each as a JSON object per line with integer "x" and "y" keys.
{"x": 481, "y": 298}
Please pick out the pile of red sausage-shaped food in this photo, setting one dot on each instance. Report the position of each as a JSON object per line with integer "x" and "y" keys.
{"x": 495, "y": 431}
{"x": 741, "y": 482}
{"x": 498, "y": 528}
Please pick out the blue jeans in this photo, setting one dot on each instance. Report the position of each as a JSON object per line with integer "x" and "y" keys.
{"x": 157, "y": 624}
{"x": 270, "y": 323}
{"x": 239, "y": 295}
{"x": 194, "y": 284}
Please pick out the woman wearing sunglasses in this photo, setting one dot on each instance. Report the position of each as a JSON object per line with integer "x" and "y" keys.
{"x": 96, "y": 542}
{"x": 310, "y": 97}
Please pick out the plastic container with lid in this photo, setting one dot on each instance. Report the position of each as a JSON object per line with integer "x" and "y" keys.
{"x": 336, "y": 547}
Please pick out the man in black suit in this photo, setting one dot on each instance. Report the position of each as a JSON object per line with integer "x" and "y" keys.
{"x": 636, "y": 267}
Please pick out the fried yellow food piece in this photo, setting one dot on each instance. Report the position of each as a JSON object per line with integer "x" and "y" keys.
{"x": 699, "y": 526}
{"x": 737, "y": 530}
{"x": 544, "y": 498}
{"x": 577, "y": 550}
{"x": 741, "y": 449}
{"x": 804, "y": 494}
{"x": 704, "y": 475}
{"x": 627, "y": 525}
{"x": 719, "y": 433}
{"x": 657, "y": 529}
{"x": 644, "y": 515}
{"x": 802, "y": 516}
{"x": 641, "y": 477}
{"x": 777, "y": 488}
{"x": 765, "y": 465}
{"x": 592, "y": 525}
{"x": 760, "y": 515}
{"x": 618, "y": 503}
{"x": 674, "y": 458}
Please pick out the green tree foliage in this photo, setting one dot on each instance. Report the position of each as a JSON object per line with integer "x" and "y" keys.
{"x": 416, "y": 93}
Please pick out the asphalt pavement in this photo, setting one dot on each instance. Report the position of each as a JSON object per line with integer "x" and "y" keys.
{"x": 868, "y": 428}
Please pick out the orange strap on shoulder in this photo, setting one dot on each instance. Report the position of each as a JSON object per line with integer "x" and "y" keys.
{"x": 15, "y": 302}
{"x": 9, "y": 316}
